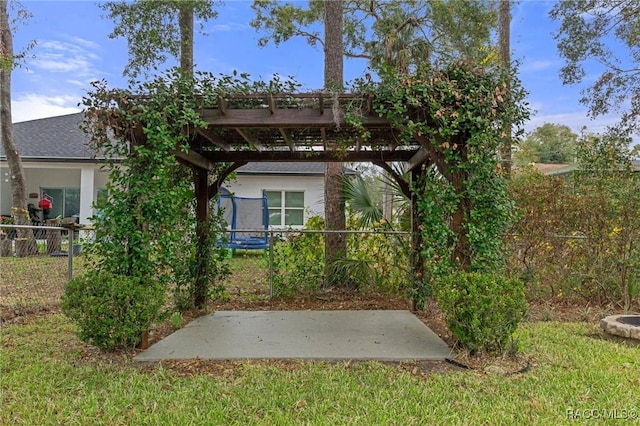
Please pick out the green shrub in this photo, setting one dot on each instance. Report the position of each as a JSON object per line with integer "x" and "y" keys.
{"x": 112, "y": 311}
{"x": 298, "y": 261}
{"x": 482, "y": 310}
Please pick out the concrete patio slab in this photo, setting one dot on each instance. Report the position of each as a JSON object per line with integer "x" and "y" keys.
{"x": 312, "y": 335}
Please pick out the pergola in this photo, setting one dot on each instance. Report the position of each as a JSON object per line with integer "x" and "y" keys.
{"x": 308, "y": 127}
{"x": 295, "y": 128}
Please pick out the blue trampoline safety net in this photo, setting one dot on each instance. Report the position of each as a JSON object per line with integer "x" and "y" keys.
{"x": 243, "y": 214}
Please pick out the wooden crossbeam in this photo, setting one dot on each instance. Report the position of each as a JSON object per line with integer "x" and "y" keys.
{"x": 250, "y": 138}
{"x": 214, "y": 139}
{"x": 282, "y": 118}
{"x": 288, "y": 139}
{"x": 418, "y": 158}
{"x": 222, "y": 105}
{"x": 194, "y": 159}
{"x": 309, "y": 156}
{"x": 272, "y": 104}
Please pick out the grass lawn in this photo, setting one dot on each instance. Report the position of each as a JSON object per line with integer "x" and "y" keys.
{"x": 47, "y": 377}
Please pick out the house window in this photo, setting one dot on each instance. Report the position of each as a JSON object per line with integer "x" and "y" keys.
{"x": 286, "y": 208}
{"x": 66, "y": 202}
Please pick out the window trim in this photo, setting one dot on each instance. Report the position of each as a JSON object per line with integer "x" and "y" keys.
{"x": 283, "y": 207}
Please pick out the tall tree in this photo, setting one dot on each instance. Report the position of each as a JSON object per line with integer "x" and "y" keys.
{"x": 334, "y": 204}
{"x": 156, "y": 30}
{"x": 602, "y": 36}
{"x": 549, "y": 143}
{"x": 504, "y": 41}
{"x": 8, "y": 61}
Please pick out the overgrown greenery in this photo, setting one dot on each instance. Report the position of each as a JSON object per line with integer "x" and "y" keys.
{"x": 146, "y": 226}
{"x": 374, "y": 261}
{"x": 578, "y": 235}
{"x": 147, "y": 211}
{"x": 299, "y": 261}
{"x": 112, "y": 311}
{"x": 49, "y": 378}
{"x": 482, "y": 310}
{"x": 457, "y": 114}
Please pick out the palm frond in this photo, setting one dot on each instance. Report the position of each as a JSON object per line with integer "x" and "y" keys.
{"x": 357, "y": 195}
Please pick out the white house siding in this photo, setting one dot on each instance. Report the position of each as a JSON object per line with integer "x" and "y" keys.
{"x": 89, "y": 179}
{"x": 86, "y": 177}
{"x": 312, "y": 186}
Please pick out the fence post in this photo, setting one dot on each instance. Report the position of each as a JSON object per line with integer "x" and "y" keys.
{"x": 5, "y": 244}
{"x": 270, "y": 264}
{"x": 70, "y": 251}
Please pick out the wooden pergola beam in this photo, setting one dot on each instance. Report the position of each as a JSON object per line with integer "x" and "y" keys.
{"x": 214, "y": 188}
{"x": 251, "y": 139}
{"x": 192, "y": 158}
{"x": 418, "y": 158}
{"x": 210, "y": 137}
{"x": 309, "y": 156}
{"x": 281, "y": 118}
{"x": 222, "y": 105}
{"x": 288, "y": 139}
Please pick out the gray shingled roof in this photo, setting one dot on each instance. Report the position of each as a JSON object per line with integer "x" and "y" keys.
{"x": 54, "y": 138}
{"x": 59, "y": 139}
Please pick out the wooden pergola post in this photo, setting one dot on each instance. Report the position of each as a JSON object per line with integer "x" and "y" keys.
{"x": 415, "y": 260}
{"x": 203, "y": 243}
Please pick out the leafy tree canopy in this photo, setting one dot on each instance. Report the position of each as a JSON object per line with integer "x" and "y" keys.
{"x": 549, "y": 143}
{"x": 402, "y": 33}
{"x": 152, "y": 30}
{"x": 605, "y": 33}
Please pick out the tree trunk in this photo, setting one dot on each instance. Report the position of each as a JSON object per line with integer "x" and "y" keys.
{"x": 334, "y": 206}
{"x": 18, "y": 187}
{"x": 505, "y": 58}
{"x": 185, "y": 22}
{"x": 387, "y": 205}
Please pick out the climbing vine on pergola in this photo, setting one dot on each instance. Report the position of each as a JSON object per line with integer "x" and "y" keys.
{"x": 446, "y": 124}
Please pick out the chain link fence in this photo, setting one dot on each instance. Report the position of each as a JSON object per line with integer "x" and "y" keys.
{"x": 35, "y": 264}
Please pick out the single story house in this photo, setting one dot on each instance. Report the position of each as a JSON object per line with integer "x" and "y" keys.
{"x": 58, "y": 163}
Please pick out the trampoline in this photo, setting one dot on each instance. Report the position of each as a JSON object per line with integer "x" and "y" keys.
{"x": 248, "y": 222}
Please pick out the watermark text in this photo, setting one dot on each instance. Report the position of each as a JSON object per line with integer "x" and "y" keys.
{"x": 602, "y": 413}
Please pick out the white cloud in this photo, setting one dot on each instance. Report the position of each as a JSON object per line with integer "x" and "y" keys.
{"x": 575, "y": 120}
{"x": 221, "y": 27}
{"x": 537, "y": 65}
{"x": 66, "y": 57}
{"x": 77, "y": 83}
{"x": 224, "y": 27}
{"x": 58, "y": 63}
{"x": 85, "y": 43}
{"x": 33, "y": 106}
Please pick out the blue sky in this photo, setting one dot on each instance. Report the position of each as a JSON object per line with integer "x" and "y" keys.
{"x": 72, "y": 49}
